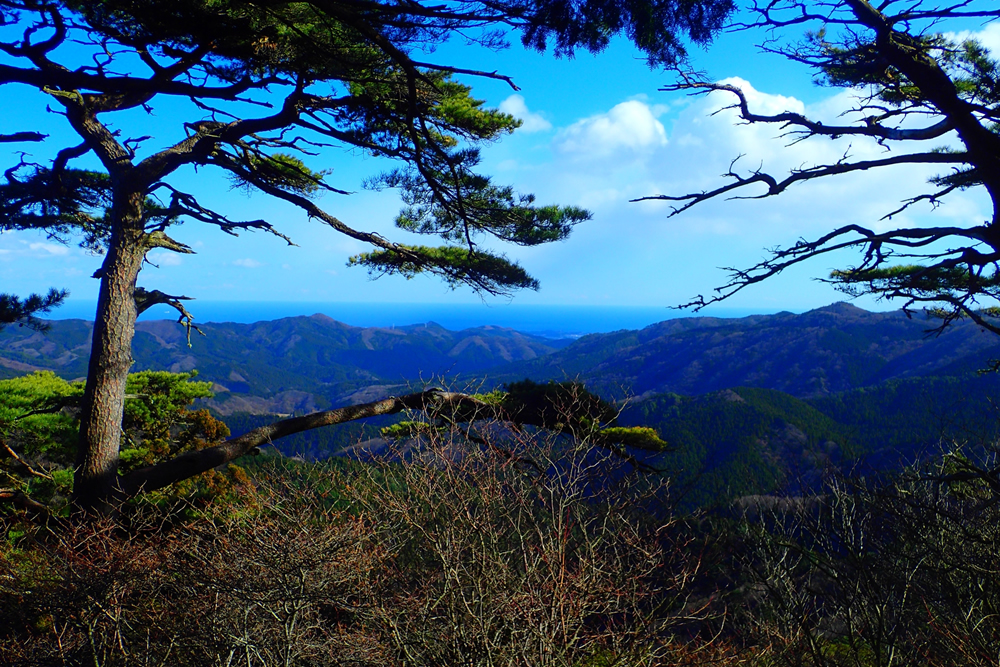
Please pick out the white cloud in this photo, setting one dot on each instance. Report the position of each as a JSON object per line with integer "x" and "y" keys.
{"x": 247, "y": 263}
{"x": 164, "y": 258}
{"x": 630, "y": 127}
{"x": 530, "y": 121}
{"x": 603, "y": 161}
{"x": 50, "y": 248}
{"x": 759, "y": 102}
{"x": 709, "y": 135}
{"x": 806, "y": 209}
{"x": 989, "y": 37}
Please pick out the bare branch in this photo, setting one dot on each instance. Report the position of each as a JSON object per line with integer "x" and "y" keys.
{"x": 144, "y": 300}
{"x": 20, "y": 499}
{"x": 472, "y": 72}
{"x": 193, "y": 463}
{"x": 875, "y": 255}
{"x": 22, "y": 136}
{"x": 27, "y": 466}
{"x": 183, "y": 204}
{"x": 775, "y": 187}
{"x": 787, "y": 119}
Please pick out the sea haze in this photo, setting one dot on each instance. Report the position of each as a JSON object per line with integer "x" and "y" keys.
{"x": 540, "y": 320}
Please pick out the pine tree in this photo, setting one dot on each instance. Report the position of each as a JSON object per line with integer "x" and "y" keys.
{"x": 319, "y": 72}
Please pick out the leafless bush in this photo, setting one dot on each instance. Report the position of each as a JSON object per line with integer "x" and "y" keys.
{"x": 474, "y": 543}
{"x": 519, "y": 547}
{"x": 83, "y": 593}
{"x": 276, "y": 584}
{"x": 882, "y": 575}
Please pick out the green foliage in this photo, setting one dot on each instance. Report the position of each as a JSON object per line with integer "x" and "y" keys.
{"x": 489, "y": 272}
{"x": 864, "y": 63}
{"x": 406, "y": 429}
{"x": 650, "y": 25}
{"x": 38, "y": 423}
{"x": 64, "y": 202}
{"x": 379, "y": 106}
{"x": 33, "y": 410}
{"x": 905, "y": 418}
{"x": 471, "y": 203}
{"x": 638, "y": 437}
{"x": 157, "y": 423}
{"x": 281, "y": 170}
{"x": 752, "y": 441}
{"x": 557, "y": 406}
{"x": 23, "y": 311}
{"x": 918, "y": 280}
{"x": 248, "y": 40}
{"x": 737, "y": 443}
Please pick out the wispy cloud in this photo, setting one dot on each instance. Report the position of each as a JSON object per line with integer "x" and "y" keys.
{"x": 49, "y": 248}
{"x": 602, "y": 161}
{"x": 247, "y": 263}
{"x": 530, "y": 121}
{"x": 164, "y": 258}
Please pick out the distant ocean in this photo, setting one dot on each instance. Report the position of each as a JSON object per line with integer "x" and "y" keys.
{"x": 549, "y": 321}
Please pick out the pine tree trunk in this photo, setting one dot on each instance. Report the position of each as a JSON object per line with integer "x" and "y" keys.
{"x": 96, "y": 481}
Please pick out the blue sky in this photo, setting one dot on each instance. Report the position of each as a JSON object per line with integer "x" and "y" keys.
{"x": 596, "y": 133}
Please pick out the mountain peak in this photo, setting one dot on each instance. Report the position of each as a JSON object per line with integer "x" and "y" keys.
{"x": 325, "y": 319}
{"x": 841, "y": 308}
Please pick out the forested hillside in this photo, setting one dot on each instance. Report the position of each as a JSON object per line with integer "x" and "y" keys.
{"x": 303, "y": 363}
{"x": 818, "y": 353}
{"x": 751, "y": 405}
{"x": 295, "y": 364}
{"x": 746, "y": 441}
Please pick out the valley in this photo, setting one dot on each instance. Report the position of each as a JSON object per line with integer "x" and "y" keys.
{"x": 749, "y": 405}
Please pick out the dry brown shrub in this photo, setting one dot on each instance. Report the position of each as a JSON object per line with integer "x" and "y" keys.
{"x": 274, "y": 584}
{"x": 520, "y": 547}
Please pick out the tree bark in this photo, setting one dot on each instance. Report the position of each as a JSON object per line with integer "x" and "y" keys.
{"x": 96, "y": 480}
{"x": 194, "y": 463}
{"x": 937, "y": 85}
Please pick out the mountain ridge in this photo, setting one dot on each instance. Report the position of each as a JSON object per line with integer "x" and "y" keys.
{"x": 294, "y": 365}
{"x": 286, "y": 365}
{"x": 821, "y": 352}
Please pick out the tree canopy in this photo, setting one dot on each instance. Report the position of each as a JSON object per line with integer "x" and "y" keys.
{"x": 927, "y": 97}
{"x": 270, "y": 85}
{"x": 23, "y": 311}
